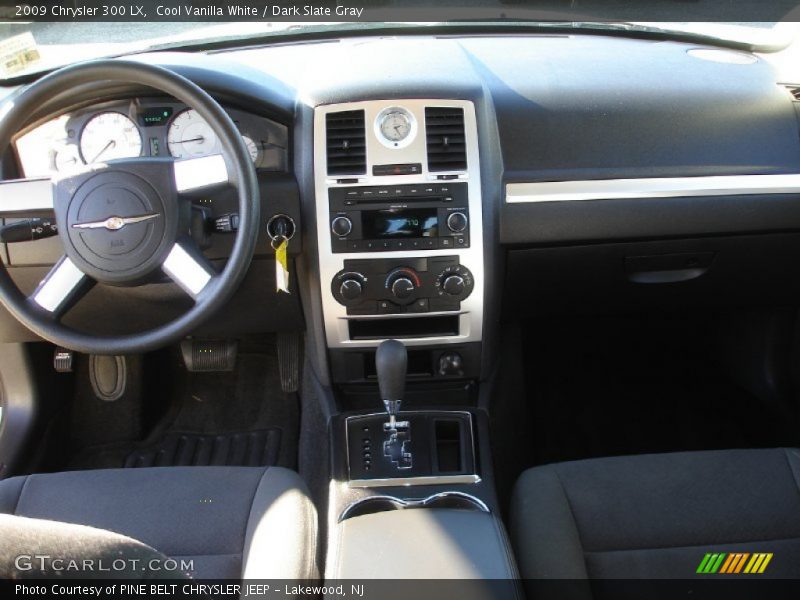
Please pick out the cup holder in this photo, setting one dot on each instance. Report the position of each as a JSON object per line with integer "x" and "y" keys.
{"x": 376, "y": 504}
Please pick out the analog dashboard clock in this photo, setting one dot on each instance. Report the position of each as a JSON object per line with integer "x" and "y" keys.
{"x": 395, "y": 127}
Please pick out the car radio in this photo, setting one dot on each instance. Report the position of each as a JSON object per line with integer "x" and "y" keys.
{"x": 399, "y": 217}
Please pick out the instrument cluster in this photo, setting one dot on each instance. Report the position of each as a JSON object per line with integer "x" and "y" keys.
{"x": 142, "y": 127}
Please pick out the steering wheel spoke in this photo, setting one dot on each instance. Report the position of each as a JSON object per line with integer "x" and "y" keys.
{"x": 61, "y": 288}
{"x": 201, "y": 173}
{"x": 25, "y": 196}
{"x": 189, "y": 268}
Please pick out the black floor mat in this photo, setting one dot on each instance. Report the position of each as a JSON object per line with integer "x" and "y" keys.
{"x": 237, "y": 418}
{"x": 246, "y": 449}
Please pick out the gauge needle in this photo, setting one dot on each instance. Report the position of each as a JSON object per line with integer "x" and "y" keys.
{"x": 110, "y": 144}
{"x": 200, "y": 139}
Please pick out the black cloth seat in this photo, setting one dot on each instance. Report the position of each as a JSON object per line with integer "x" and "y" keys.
{"x": 656, "y": 516}
{"x": 231, "y": 522}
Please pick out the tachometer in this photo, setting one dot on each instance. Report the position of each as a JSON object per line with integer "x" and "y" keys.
{"x": 190, "y": 135}
{"x": 110, "y": 135}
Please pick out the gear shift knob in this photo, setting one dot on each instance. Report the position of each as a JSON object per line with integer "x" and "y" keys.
{"x": 391, "y": 361}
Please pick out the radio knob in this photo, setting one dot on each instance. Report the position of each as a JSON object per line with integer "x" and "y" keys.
{"x": 402, "y": 287}
{"x": 453, "y": 285}
{"x": 457, "y": 222}
{"x": 351, "y": 289}
{"x": 341, "y": 226}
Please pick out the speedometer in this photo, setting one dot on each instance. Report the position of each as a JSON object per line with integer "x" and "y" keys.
{"x": 190, "y": 135}
{"x": 110, "y": 135}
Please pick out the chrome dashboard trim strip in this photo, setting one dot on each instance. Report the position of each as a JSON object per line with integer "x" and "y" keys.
{"x": 659, "y": 187}
{"x": 26, "y": 195}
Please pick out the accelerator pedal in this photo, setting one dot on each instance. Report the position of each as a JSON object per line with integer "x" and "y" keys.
{"x": 209, "y": 356}
{"x": 289, "y": 354}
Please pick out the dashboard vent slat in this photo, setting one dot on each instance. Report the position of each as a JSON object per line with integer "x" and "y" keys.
{"x": 444, "y": 133}
{"x": 346, "y": 145}
{"x": 794, "y": 90}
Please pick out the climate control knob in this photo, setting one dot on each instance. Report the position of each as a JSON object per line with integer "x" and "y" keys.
{"x": 351, "y": 289}
{"x": 454, "y": 285}
{"x": 402, "y": 287}
{"x": 341, "y": 226}
{"x": 457, "y": 222}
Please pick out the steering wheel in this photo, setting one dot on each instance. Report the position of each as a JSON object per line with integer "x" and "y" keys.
{"x": 128, "y": 222}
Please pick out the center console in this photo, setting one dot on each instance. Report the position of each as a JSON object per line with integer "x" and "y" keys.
{"x": 399, "y": 232}
{"x": 401, "y": 273}
{"x": 409, "y": 489}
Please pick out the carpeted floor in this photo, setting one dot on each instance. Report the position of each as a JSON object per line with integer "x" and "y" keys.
{"x": 179, "y": 418}
{"x": 611, "y": 386}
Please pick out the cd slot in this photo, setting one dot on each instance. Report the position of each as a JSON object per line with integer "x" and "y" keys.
{"x": 388, "y": 200}
{"x": 417, "y": 327}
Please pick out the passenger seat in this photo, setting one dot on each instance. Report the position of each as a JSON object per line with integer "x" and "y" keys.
{"x": 659, "y": 515}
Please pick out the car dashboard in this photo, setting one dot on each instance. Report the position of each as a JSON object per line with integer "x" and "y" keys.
{"x": 439, "y": 184}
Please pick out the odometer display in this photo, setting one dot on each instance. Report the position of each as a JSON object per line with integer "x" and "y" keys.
{"x": 152, "y": 117}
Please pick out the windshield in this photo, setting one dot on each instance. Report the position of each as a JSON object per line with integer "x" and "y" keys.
{"x": 30, "y": 47}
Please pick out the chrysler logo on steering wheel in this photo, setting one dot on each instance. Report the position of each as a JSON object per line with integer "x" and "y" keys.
{"x": 115, "y": 223}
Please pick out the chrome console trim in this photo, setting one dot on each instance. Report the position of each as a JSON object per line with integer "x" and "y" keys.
{"x": 409, "y": 481}
{"x": 659, "y": 187}
{"x": 466, "y": 478}
{"x": 404, "y": 503}
{"x": 335, "y": 315}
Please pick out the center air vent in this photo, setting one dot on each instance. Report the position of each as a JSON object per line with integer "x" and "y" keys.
{"x": 444, "y": 132}
{"x": 794, "y": 90}
{"x": 346, "y": 144}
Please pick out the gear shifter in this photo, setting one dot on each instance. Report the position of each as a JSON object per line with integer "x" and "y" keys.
{"x": 391, "y": 361}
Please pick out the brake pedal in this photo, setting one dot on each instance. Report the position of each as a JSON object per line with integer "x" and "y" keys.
{"x": 208, "y": 356}
{"x": 288, "y": 344}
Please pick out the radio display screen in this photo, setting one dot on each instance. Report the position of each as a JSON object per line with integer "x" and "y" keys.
{"x": 400, "y": 223}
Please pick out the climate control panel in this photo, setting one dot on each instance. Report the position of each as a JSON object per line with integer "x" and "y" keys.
{"x": 402, "y": 285}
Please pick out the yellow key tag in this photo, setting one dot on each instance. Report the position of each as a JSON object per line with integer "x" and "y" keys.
{"x": 281, "y": 268}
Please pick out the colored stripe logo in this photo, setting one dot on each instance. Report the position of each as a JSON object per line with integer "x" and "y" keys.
{"x": 734, "y": 563}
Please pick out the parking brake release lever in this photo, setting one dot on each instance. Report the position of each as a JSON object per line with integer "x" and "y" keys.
{"x": 391, "y": 361}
